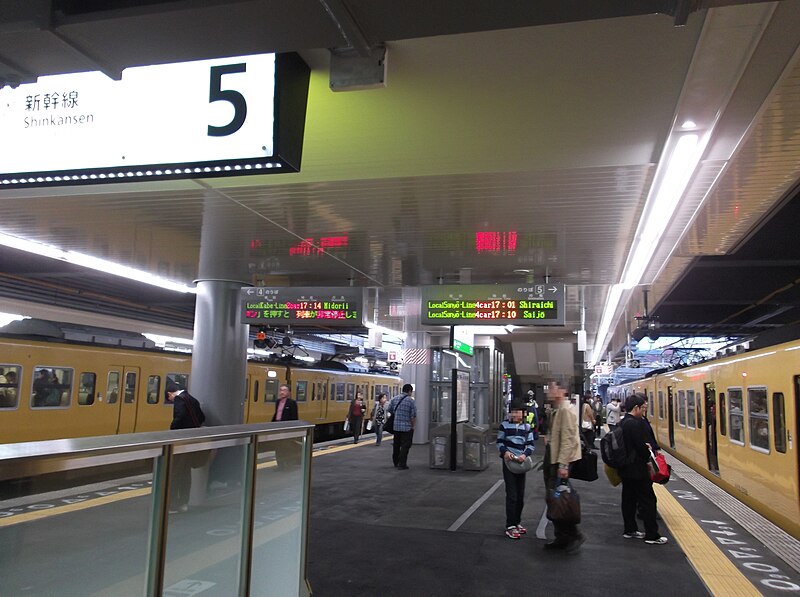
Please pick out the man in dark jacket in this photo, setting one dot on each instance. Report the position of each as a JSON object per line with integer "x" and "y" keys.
{"x": 637, "y": 488}
{"x": 186, "y": 414}
{"x": 287, "y": 451}
{"x": 186, "y": 411}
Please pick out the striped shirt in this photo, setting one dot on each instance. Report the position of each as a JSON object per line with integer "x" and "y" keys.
{"x": 516, "y": 438}
{"x": 403, "y": 412}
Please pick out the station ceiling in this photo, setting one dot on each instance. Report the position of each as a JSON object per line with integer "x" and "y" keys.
{"x": 506, "y": 146}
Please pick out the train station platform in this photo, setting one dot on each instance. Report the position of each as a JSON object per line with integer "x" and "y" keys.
{"x": 376, "y": 530}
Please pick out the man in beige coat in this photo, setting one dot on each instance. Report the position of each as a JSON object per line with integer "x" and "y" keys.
{"x": 563, "y": 447}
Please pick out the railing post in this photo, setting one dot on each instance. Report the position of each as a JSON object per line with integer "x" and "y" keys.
{"x": 157, "y": 544}
{"x": 248, "y": 514}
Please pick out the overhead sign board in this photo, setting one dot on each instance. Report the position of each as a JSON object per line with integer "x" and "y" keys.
{"x": 196, "y": 119}
{"x": 462, "y": 339}
{"x": 303, "y": 306}
{"x": 493, "y": 304}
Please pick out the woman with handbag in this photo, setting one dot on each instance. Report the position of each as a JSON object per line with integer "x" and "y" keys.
{"x": 379, "y": 417}
{"x": 515, "y": 443}
{"x": 355, "y": 416}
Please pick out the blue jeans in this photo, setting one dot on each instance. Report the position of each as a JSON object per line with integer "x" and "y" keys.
{"x": 378, "y": 434}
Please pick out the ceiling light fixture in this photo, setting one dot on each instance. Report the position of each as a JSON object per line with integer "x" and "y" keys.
{"x": 90, "y": 262}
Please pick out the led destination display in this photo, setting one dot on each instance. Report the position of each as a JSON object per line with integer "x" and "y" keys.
{"x": 523, "y": 304}
{"x": 303, "y": 306}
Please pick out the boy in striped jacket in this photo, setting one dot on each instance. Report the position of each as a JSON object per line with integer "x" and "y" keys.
{"x": 515, "y": 443}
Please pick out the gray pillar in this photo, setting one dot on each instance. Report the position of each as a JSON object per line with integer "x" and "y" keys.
{"x": 417, "y": 362}
{"x": 219, "y": 357}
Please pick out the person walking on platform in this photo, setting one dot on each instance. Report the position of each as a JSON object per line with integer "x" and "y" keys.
{"x": 355, "y": 416}
{"x": 637, "y": 488}
{"x": 186, "y": 414}
{"x": 587, "y": 421}
{"x": 404, "y": 410}
{"x": 379, "y": 417}
{"x": 287, "y": 451}
{"x": 563, "y": 446}
{"x": 515, "y": 443}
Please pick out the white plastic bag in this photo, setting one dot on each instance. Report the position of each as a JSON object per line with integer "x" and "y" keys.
{"x": 347, "y": 426}
{"x": 369, "y": 425}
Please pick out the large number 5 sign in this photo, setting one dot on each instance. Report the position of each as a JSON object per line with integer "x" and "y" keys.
{"x": 217, "y": 94}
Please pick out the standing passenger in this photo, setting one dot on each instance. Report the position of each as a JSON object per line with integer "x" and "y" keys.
{"x": 637, "y": 488}
{"x": 186, "y": 414}
{"x": 355, "y": 416}
{"x": 404, "y": 411}
{"x": 515, "y": 443}
{"x": 563, "y": 447}
{"x": 612, "y": 413}
{"x": 587, "y": 421}
{"x": 287, "y": 452}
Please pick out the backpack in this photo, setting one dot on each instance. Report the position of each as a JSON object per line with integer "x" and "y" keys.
{"x": 612, "y": 449}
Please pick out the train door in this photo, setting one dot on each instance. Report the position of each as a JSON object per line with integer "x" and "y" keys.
{"x": 796, "y": 423}
{"x": 319, "y": 396}
{"x": 671, "y": 416}
{"x": 247, "y": 396}
{"x": 710, "y": 394}
{"x": 127, "y": 407}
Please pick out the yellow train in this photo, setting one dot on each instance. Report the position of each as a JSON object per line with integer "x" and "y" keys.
{"x": 735, "y": 420}
{"x": 52, "y": 390}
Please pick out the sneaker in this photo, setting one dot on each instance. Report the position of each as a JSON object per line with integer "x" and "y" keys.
{"x": 512, "y": 533}
{"x": 659, "y": 541}
{"x": 634, "y": 535}
{"x": 521, "y": 529}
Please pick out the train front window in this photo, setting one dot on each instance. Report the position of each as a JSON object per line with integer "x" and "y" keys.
{"x": 86, "y": 388}
{"x": 779, "y": 418}
{"x": 153, "y": 389}
{"x": 9, "y": 385}
{"x": 52, "y": 387}
{"x": 757, "y": 406}
{"x": 736, "y": 415}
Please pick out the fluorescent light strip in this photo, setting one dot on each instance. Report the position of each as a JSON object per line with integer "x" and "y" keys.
{"x": 384, "y": 330}
{"x": 90, "y": 262}
{"x": 612, "y": 300}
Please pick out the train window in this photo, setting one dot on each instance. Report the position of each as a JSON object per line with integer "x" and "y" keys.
{"x": 736, "y": 415}
{"x": 660, "y": 404}
{"x": 351, "y": 391}
{"x": 723, "y": 418}
{"x": 255, "y": 391}
{"x": 271, "y": 388}
{"x": 757, "y": 406}
{"x": 52, "y": 387}
{"x": 9, "y": 385}
{"x": 301, "y": 391}
{"x": 112, "y": 388}
{"x": 130, "y": 388}
{"x": 153, "y": 389}
{"x": 651, "y": 404}
{"x": 779, "y": 417}
{"x": 691, "y": 409}
{"x": 682, "y": 408}
{"x": 86, "y": 388}
{"x": 340, "y": 392}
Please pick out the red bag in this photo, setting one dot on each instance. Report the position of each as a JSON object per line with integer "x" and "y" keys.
{"x": 660, "y": 471}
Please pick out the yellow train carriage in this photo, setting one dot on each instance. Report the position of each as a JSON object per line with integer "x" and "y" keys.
{"x": 52, "y": 390}
{"x": 734, "y": 420}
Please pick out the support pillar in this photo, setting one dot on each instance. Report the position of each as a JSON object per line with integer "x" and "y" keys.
{"x": 219, "y": 357}
{"x": 417, "y": 362}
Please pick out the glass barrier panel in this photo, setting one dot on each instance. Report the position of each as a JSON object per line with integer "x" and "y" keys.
{"x": 278, "y": 526}
{"x": 204, "y": 532}
{"x": 79, "y": 532}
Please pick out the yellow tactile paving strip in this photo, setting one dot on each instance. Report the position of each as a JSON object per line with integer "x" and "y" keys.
{"x": 718, "y": 573}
